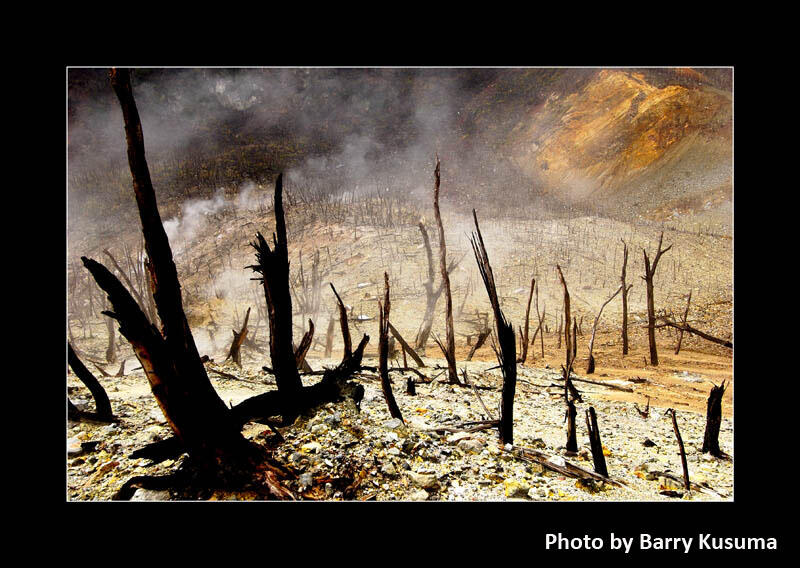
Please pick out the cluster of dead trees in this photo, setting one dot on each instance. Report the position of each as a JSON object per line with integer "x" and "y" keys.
{"x": 206, "y": 429}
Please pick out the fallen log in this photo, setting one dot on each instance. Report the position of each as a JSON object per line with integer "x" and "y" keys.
{"x": 568, "y": 469}
{"x": 686, "y": 327}
{"x": 406, "y": 347}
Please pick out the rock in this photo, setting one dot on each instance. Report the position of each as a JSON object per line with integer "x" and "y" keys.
{"x": 389, "y": 469}
{"x": 150, "y": 495}
{"x": 648, "y": 443}
{"x": 156, "y": 415}
{"x": 334, "y": 419}
{"x": 311, "y": 447}
{"x": 419, "y": 495}
{"x": 458, "y": 436}
{"x": 319, "y": 428}
{"x": 74, "y": 446}
{"x": 426, "y": 481}
{"x": 516, "y": 488}
{"x": 470, "y": 446}
{"x": 394, "y": 424}
{"x": 306, "y": 480}
{"x": 558, "y": 460}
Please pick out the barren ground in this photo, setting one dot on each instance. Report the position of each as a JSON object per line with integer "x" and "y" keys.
{"x": 400, "y": 463}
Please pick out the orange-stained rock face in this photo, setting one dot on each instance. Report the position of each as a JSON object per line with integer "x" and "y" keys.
{"x": 618, "y": 125}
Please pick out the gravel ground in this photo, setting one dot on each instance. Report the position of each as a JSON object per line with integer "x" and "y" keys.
{"x": 382, "y": 459}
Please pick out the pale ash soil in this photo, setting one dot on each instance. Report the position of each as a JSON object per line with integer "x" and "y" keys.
{"x": 412, "y": 462}
{"x": 403, "y": 463}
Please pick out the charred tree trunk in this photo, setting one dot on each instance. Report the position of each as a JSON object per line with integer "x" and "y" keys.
{"x": 686, "y": 482}
{"x": 348, "y": 343}
{"x": 430, "y": 297}
{"x": 273, "y": 265}
{"x": 302, "y": 349}
{"x": 238, "y": 338}
{"x": 506, "y": 352}
{"x": 666, "y": 322}
{"x": 450, "y": 346}
{"x": 479, "y": 342}
{"x": 558, "y": 331}
{"x": 625, "y": 290}
{"x": 571, "y": 413}
{"x": 524, "y": 355}
{"x": 649, "y": 273}
{"x": 595, "y": 443}
{"x": 329, "y": 338}
{"x": 177, "y": 376}
{"x": 590, "y": 368}
{"x": 713, "y": 422}
{"x": 383, "y": 352}
{"x": 101, "y": 403}
{"x": 406, "y": 347}
{"x": 111, "y": 350}
{"x": 685, "y": 319}
{"x": 567, "y": 338}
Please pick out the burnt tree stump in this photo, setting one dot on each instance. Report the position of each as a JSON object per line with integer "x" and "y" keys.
{"x": 594, "y": 440}
{"x": 713, "y": 422}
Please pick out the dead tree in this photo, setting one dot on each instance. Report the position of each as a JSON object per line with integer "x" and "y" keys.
{"x": 449, "y": 349}
{"x": 195, "y": 413}
{"x": 406, "y": 347}
{"x": 686, "y": 482}
{"x": 329, "y": 338}
{"x": 567, "y": 338}
{"x": 524, "y": 334}
{"x": 431, "y": 297}
{"x": 540, "y": 317}
{"x": 713, "y": 422}
{"x": 103, "y": 412}
{"x": 482, "y": 336}
{"x": 590, "y": 367}
{"x": 649, "y": 273}
{"x": 574, "y": 338}
{"x": 504, "y": 331}
{"x": 383, "y": 352}
{"x": 571, "y": 413}
{"x": 348, "y": 343}
{"x": 666, "y": 322}
{"x": 596, "y": 445}
{"x": 234, "y": 352}
{"x": 111, "y": 350}
{"x": 558, "y": 330}
{"x": 273, "y": 266}
{"x": 302, "y": 349}
{"x": 685, "y": 319}
{"x": 134, "y": 290}
{"x": 625, "y": 289}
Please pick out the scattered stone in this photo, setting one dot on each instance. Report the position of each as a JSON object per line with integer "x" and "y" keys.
{"x": 311, "y": 447}
{"x": 516, "y": 488}
{"x": 419, "y": 495}
{"x": 394, "y": 424}
{"x": 470, "y": 446}
{"x": 305, "y": 480}
{"x": 150, "y": 495}
{"x": 426, "y": 481}
{"x": 74, "y": 446}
